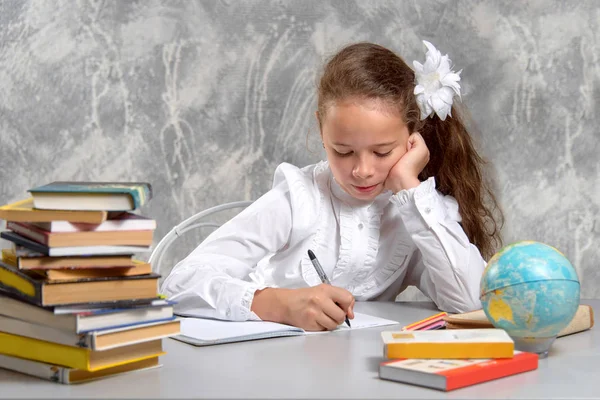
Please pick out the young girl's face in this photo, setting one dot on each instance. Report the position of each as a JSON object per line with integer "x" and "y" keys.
{"x": 363, "y": 141}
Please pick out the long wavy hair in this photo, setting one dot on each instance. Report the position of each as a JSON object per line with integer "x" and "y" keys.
{"x": 370, "y": 71}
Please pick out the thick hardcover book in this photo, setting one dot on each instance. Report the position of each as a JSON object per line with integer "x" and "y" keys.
{"x": 66, "y": 375}
{"x": 446, "y": 375}
{"x": 459, "y": 343}
{"x": 107, "y": 196}
{"x": 23, "y": 211}
{"x": 74, "y": 357}
{"x": 71, "y": 239}
{"x": 582, "y": 321}
{"x": 46, "y": 293}
{"x": 71, "y": 250}
{"x": 136, "y": 267}
{"x": 79, "y": 319}
{"x": 83, "y": 238}
{"x": 28, "y": 259}
{"x": 124, "y": 221}
{"x": 95, "y": 340}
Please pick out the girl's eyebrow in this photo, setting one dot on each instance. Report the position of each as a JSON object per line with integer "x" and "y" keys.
{"x": 375, "y": 145}
{"x": 385, "y": 144}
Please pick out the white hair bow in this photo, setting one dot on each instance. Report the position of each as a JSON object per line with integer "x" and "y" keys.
{"x": 436, "y": 84}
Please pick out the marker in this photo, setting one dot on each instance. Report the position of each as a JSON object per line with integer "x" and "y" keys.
{"x": 321, "y": 273}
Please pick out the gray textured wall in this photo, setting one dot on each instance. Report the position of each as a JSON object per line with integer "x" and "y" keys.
{"x": 204, "y": 98}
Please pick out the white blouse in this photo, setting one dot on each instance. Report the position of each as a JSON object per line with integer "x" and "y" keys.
{"x": 372, "y": 249}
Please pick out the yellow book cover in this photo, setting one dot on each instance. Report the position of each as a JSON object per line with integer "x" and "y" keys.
{"x": 456, "y": 343}
{"x": 23, "y": 211}
{"x": 66, "y": 375}
{"x": 73, "y": 357}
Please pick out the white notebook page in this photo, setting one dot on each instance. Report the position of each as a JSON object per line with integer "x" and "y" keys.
{"x": 203, "y": 331}
{"x": 360, "y": 321}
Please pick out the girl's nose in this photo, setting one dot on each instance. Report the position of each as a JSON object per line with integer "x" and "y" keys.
{"x": 363, "y": 169}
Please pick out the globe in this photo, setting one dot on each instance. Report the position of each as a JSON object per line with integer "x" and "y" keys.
{"x": 530, "y": 290}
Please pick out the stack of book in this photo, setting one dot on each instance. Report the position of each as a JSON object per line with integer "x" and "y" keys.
{"x": 75, "y": 304}
{"x": 451, "y": 359}
{"x": 467, "y": 350}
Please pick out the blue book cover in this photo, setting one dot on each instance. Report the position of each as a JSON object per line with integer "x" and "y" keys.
{"x": 140, "y": 192}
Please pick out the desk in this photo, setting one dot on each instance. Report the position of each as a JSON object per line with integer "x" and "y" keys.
{"x": 334, "y": 365}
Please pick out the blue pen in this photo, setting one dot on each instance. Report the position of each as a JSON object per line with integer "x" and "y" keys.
{"x": 321, "y": 273}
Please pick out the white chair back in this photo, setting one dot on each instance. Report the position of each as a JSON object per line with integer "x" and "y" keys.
{"x": 195, "y": 221}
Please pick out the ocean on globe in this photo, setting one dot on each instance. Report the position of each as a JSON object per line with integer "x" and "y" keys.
{"x": 530, "y": 290}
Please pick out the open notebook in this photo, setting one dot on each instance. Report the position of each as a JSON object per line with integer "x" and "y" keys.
{"x": 204, "y": 332}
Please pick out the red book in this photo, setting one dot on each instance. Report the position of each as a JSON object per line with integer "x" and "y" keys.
{"x": 450, "y": 374}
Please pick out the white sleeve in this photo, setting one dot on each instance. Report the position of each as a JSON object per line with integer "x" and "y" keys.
{"x": 214, "y": 280}
{"x": 449, "y": 268}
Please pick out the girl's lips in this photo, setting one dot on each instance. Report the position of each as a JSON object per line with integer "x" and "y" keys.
{"x": 365, "y": 189}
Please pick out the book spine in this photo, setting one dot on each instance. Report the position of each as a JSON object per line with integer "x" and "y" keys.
{"x": 47, "y": 352}
{"x": 11, "y": 306}
{"x": 23, "y": 252}
{"x": 29, "y": 232}
{"x": 23, "y": 211}
{"x": 67, "y": 376}
{"x": 83, "y": 238}
{"x": 9, "y": 257}
{"x": 53, "y": 373}
{"x": 20, "y": 284}
{"x": 24, "y": 242}
{"x": 139, "y": 192}
{"x": 140, "y": 195}
{"x": 48, "y": 334}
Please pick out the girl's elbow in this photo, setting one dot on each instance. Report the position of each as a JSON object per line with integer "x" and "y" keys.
{"x": 470, "y": 305}
{"x": 169, "y": 288}
{"x": 176, "y": 282}
{"x": 460, "y": 305}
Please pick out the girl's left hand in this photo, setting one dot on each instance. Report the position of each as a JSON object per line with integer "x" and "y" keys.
{"x": 405, "y": 174}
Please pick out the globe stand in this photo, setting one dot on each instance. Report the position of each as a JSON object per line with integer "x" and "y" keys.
{"x": 541, "y": 346}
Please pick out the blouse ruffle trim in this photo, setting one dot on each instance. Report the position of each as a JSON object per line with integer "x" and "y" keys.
{"x": 366, "y": 279}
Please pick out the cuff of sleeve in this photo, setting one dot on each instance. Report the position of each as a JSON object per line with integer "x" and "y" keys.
{"x": 420, "y": 207}
{"x": 239, "y": 310}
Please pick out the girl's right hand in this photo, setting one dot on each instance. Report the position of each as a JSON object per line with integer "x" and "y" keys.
{"x": 312, "y": 309}
{"x": 405, "y": 173}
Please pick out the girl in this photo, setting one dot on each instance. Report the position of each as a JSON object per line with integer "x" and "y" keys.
{"x": 398, "y": 202}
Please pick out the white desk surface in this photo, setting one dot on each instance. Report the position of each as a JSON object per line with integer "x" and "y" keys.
{"x": 335, "y": 365}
